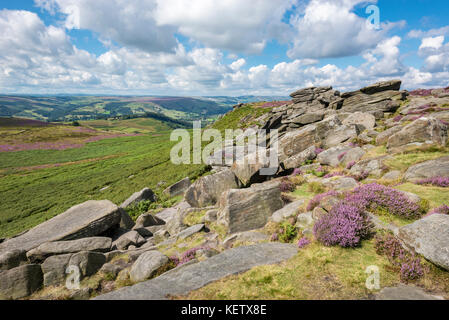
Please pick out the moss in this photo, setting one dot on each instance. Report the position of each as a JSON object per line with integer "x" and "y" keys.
{"x": 194, "y": 217}
{"x": 316, "y": 187}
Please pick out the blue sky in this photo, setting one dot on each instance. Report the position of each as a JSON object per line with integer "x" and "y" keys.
{"x": 219, "y": 47}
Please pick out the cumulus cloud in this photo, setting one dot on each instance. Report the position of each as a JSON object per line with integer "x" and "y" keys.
{"x": 235, "y": 25}
{"x": 128, "y": 23}
{"x": 331, "y": 29}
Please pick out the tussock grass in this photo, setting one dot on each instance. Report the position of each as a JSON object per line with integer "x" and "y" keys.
{"x": 435, "y": 195}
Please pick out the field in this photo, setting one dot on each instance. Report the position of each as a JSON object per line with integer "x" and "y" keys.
{"x": 36, "y": 185}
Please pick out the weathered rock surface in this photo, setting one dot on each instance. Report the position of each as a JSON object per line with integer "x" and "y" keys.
{"x": 190, "y": 231}
{"x": 99, "y": 244}
{"x": 192, "y": 277}
{"x": 139, "y": 196}
{"x": 247, "y": 169}
{"x": 333, "y": 156}
{"x": 125, "y": 220}
{"x": 383, "y": 136}
{"x": 428, "y": 169}
{"x": 20, "y": 282}
{"x": 373, "y": 166}
{"x": 207, "y": 190}
{"x": 382, "y": 86}
{"x": 290, "y": 210}
{"x": 88, "y": 262}
{"x": 426, "y": 130}
{"x": 340, "y": 183}
{"x": 54, "y": 269}
{"x": 148, "y": 220}
{"x": 298, "y": 160}
{"x": 368, "y": 121}
{"x": 392, "y": 175}
{"x": 249, "y": 209}
{"x": 128, "y": 239}
{"x": 178, "y": 188}
{"x": 405, "y": 292}
{"x": 12, "y": 259}
{"x": 88, "y": 219}
{"x": 429, "y": 237}
{"x": 148, "y": 264}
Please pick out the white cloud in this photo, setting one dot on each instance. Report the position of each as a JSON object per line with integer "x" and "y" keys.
{"x": 331, "y": 29}
{"x": 432, "y": 43}
{"x": 129, "y": 23}
{"x": 237, "y": 64}
{"x": 235, "y": 25}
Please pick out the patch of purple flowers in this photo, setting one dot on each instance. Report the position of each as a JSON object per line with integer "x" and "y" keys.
{"x": 435, "y": 181}
{"x": 303, "y": 242}
{"x": 421, "y": 92}
{"x": 287, "y": 186}
{"x": 374, "y": 196}
{"x": 345, "y": 225}
{"x": 444, "y": 209}
{"x": 335, "y": 174}
{"x": 296, "y": 172}
{"x": 397, "y": 118}
{"x": 188, "y": 255}
{"x": 350, "y": 165}
{"x": 318, "y": 150}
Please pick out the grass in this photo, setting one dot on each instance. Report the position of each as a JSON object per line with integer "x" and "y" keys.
{"x": 403, "y": 161}
{"x": 302, "y": 192}
{"x": 233, "y": 120}
{"x": 32, "y": 197}
{"x": 435, "y": 195}
{"x": 316, "y": 272}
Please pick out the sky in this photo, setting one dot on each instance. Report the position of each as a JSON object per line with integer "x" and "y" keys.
{"x": 219, "y": 47}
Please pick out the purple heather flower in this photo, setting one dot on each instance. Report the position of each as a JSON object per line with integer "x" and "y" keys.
{"x": 397, "y": 118}
{"x": 341, "y": 156}
{"x": 350, "y": 165}
{"x": 444, "y": 209}
{"x": 318, "y": 150}
{"x": 303, "y": 242}
{"x": 315, "y": 202}
{"x": 435, "y": 181}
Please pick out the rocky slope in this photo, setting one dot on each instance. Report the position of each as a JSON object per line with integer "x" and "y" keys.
{"x": 366, "y": 144}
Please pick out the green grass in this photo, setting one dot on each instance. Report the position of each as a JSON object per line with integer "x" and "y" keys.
{"x": 31, "y": 197}
{"x": 403, "y": 161}
{"x": 435, "y": 195}
{"x": 316, "y": 272}
{"x": 233, "y": 120}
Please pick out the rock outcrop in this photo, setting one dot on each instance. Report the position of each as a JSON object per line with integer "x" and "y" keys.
{"x": 88, "y": 219}
{"x": 249, "y": 209}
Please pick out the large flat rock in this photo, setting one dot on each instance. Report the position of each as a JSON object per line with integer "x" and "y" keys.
{"x": 192, "y": 277}
{"x": 430, "y": 238}
{"x": 404, "y": 292}
{"x": 85, "y": 220}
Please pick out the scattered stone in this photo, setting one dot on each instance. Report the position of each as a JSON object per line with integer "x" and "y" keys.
{"x": 426, "y": 130}
{"x": 340, "y": 183}
{"x": 353, "y": 155}
{"x": 99, "y": 244}
{"x": 299, "y": 159}
{"x": 190, "y": 231}
{"x": 12, "y": 259}
{"x": 368, "y": 121}
{"x": 288, "y": 211}
{"x": 207, "y": 190}
{"x": 249, "y": 209}
{"x": 341, "y": 134}
{"x": 428, "y": 169}
{"x": 305, "y": 221}
{"x": 20, "y": 282}
{"x": 88, "y": 219}
{"x": 147, "y": 265}
{"x": 405, "y": 292}
{"x": 178, "y": 188}
{"x": 373, "y": 166}
{"x": 125, "y": 220}
{"x": 54, "y": 269}
{"x": 148, "y": 220}
{"x": 211, "y": 215}
{"x": 318, "y": 213}
{"x": 247, "y": 169}
{"x": 128, "y": 239}
{"x": 383, "y": 136}
{"x": 333, "y": 156}
{"x": 429, "y": 237}
{"x": 88, "y": 262}
{"x": 144, "y": 232}
{"x": 160, "y": 236}
{"x": 139, "y": 196}
{"x": 392, "y": 175}
{"x": 178, "y": 282}
{"x": 81, "y": 294}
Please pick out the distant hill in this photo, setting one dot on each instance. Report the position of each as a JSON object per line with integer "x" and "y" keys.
{"x": 69, "y": 108}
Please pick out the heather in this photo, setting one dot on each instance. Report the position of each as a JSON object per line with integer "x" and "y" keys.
{"x": 345, "y": 225}
{"x": 408, "y": 264}
{"x": 435, "y": 181}
{"x": 335, "y": 174}
{"x": 378, "y": 198}
{"x": 188, "y": 255}
{"x": 273, "y": 104}
{"x": 315, "y": 202}
{"x": 286, "y": 185}
{"x": 444, "y": 209}
{"x": 421, "y": 92}
{"x": 303, "y": 242}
